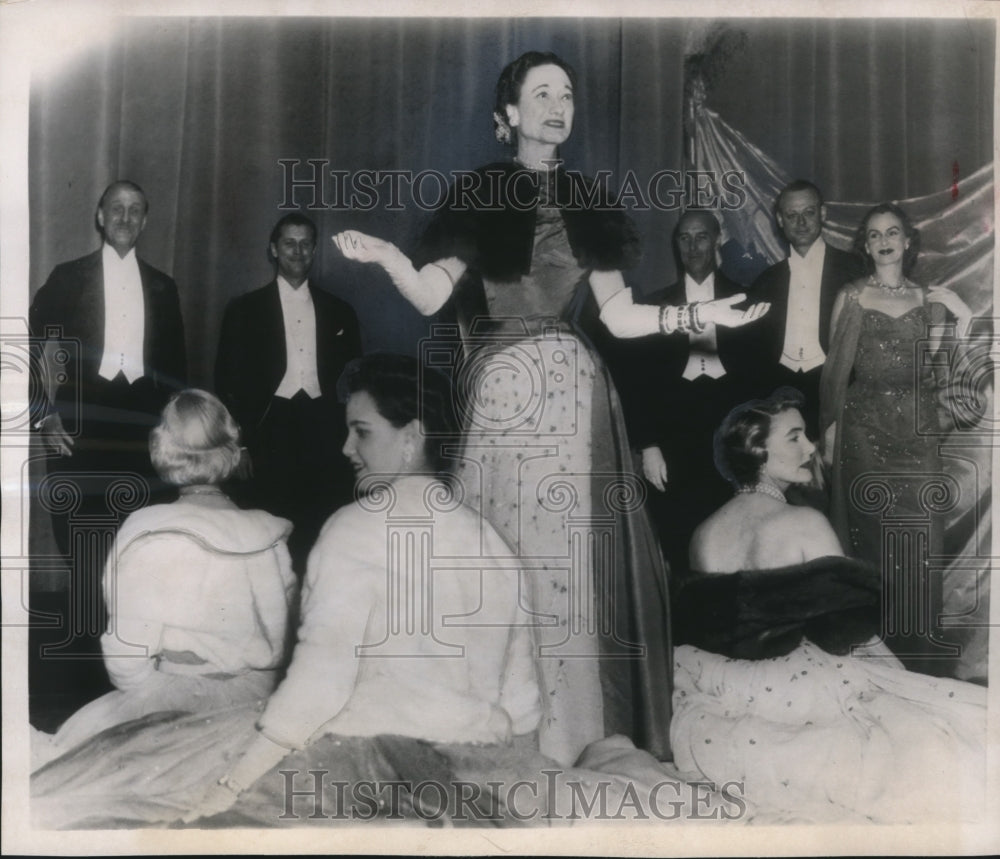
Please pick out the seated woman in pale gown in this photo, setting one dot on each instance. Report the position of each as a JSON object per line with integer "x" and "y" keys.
{"x": 410, "y": 635}
{"x": 777, "y": 682}
{"x": 198, "y": 590}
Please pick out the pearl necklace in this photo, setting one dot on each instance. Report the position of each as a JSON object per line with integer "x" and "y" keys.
{"x": 892, "y": 289}
{"x": 546, "y": 166}
{"x": 763, "y": 489}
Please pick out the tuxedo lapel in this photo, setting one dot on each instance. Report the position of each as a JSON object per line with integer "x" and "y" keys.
{"x": 151, "y": 290}
{"x": 90, "y": 308}
{"x": 839, "y": 269}
{"x": 779, "y": 305}
{"x": 334, "y": 342}
{"x": 271, "y": 348}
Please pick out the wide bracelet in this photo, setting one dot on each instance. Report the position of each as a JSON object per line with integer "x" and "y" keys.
{"x": 668, "y": 319}
{"x": 664, "y": 322}
{"x": 684, "y": 318}
{"x": 697, "y": 326}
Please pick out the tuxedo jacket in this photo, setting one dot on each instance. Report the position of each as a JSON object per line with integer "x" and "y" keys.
{"x": 660, "y": 405}
{"x": 839, "y": 268}
{"x": 73, "y": 299}
{"x": 252, "y": 357}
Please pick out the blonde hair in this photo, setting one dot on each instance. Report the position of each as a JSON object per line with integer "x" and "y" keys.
{"x": 196, "y": 441}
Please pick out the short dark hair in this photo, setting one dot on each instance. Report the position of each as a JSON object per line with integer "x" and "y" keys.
{"x": 741, "y": 441}
{"x": 403, "y": 391}
{"x": 798, "y": 185}
{"x": 124, "y": 183}
{"x": 910, "y": 255}
{"x": 512, "y": 77}
{"x": 292, "y": 219}
{"x": 702, "y": 213}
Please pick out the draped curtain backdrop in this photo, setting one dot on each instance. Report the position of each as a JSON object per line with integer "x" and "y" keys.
{"x": 870, "y": 110}
{"x": 201, "y": 111}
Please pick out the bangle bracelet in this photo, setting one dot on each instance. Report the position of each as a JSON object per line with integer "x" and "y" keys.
{"x": 669, "y": 321}
{"x": 697, "y": 326}
{"x": 683, "y": 318}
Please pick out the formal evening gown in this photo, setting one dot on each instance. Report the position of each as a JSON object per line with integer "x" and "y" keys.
{"x": 892, "y": 492}
{"x": 546, "y": 459}
{"x": 813, "y": 735}
{"x": 886, "y": 428}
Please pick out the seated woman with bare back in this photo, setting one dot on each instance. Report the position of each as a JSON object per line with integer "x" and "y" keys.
{"x": 758, "y": 528}
{"x": 776, "y": 680}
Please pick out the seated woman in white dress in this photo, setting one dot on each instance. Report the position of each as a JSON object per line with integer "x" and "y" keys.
{"x": 198, "y": 590}
{"x": 777, "y": 684}
{"x": 411, "y": 635}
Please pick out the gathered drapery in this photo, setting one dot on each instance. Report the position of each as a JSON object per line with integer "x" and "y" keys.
{"x": 214, "y": 116}
{"x": 202, "y": 111}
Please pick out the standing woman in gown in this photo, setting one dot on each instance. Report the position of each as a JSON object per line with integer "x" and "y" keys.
{"x": 521, "y": 245}
{"x": 879, "y": 400}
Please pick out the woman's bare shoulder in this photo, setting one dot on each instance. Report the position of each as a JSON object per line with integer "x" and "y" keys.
{"x": 809, "y": 529}
{"x": 712, "y": 546}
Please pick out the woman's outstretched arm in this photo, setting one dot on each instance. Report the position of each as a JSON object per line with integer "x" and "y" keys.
{"x": 427, "y": 289}
{"x": 624, "y": 318}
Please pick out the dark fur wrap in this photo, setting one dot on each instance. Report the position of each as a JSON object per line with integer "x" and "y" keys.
{"x": 759, "y": 614}
{"x": 488, "y": 222}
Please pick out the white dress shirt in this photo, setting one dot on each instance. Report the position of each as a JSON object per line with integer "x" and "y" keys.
{"x": 802, "y": 351}
{"x": 299, "y": 316}
{"x": 124, "y": 316}
{"x": 703, "y": 357}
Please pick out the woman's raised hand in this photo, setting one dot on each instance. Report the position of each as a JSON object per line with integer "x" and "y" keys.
{"x": 427, "y": 289}
{"x": 363, "y": 248}
{"x": 721, "y": 311}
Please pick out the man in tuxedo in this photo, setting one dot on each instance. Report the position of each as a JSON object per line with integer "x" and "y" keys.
{"x": 112, "y": 341}
{"x": 281, "y": 352}
{"x": 790, "y": 344}
{"x": 116, "y": 323}
{"x": 676, "y": 390}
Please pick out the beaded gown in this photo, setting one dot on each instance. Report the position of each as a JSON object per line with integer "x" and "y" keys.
{"x": 546, "y": 460}
{"x": 891, "y": 489}
{"x": 885, "y": 422}
{"x": 771, "y": 694}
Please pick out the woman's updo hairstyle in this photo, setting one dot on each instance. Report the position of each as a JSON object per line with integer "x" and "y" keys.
{"x": 403, "y": 391}
{"x": 509, "y": 88}
{"x": 196, "y": 441}
{"x": 741, "y": 440}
